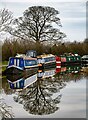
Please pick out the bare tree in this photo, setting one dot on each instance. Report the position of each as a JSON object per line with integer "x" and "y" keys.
{"x": 37, "y": 23}
{"x": 5, "y": 19}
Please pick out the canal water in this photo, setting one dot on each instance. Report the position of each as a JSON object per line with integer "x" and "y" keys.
{"x": 52, "y": 93}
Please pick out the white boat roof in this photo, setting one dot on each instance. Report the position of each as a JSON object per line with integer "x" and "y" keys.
{"x": 45, "y": 56}
{"x": 25, "y": 57}
{"x": 85, "y": 56}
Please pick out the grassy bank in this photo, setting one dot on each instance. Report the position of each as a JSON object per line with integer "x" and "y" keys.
{"x": 3, "y": 65}
{"x": 4, "y": 62}
{"x": 3, "y": 68}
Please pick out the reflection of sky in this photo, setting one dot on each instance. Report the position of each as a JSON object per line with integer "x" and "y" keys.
{"x": 72, "y": 14}
{"x": 72, "y": 103}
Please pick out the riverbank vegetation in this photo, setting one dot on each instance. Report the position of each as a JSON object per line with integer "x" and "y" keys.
{"x": 11, "y": 47}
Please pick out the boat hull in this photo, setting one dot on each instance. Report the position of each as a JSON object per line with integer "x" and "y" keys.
{"x": 50, "y": 65}
{"x": 68, "y": 60}
{"x": 16, "y": 70}
{"x": 13, "y": 70}
{"x": 71, "y": 63}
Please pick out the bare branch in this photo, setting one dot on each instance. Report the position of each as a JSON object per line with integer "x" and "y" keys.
{"x": 5, "y": 19}
{"x": 37, "y": 24}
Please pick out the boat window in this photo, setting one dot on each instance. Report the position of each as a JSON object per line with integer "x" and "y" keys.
{"x": 49, "y": 59}
{"x": 40, "y": 60}
{"x": 30, "y": 62}
{"x": 53, "y": 58}
{"x": 46, "y": 59}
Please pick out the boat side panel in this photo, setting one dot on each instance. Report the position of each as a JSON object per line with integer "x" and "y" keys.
{"x": 16, "y": 62}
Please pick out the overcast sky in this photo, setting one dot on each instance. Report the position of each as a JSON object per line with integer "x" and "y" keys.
{"x": 72, "y": 14}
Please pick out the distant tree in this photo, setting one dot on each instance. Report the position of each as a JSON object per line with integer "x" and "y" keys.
{"x": 86, "y": 40}
{"x": 85, "y": 45}
{"x": 37, "y": 24}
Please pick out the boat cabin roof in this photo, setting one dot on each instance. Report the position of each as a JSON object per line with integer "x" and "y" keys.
{"x": 25, "y": 57}
{"x": 85, "y": 56}
{"x": 45, "y": 56}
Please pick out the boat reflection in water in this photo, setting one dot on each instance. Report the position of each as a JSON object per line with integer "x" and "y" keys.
{"x": 40, "y": 93}
{"x": 69, "y": 73}
{"x": 22, "y": 82}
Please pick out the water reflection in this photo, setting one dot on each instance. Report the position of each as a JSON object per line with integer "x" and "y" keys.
{"x": 38, "y": 97}
{"x": 5, "y": 110}
{"x": 68, "y": 73}
{"x": 68, "y": 69}
{"x": 22, "y": 82}
{"x": 38, "y": 93}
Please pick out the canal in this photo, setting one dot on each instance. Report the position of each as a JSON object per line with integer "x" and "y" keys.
{"x": 52, "y": 93}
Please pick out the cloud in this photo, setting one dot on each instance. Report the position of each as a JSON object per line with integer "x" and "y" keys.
{"x": 43, "y": 1}
{"x": 74, "y": 20}
{"x": 72, "y": 13}
{"x": 74, "y": 34}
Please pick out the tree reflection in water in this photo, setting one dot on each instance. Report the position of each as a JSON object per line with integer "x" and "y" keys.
{"x": 39, "y": 97}
{"x": 5, "y": 110}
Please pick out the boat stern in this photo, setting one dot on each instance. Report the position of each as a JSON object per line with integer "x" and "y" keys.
{"x": 15, "y": 65}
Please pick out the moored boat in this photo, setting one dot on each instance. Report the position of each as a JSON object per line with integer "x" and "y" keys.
{"x": 48, "y": 60}
{"x": 85, "y": 59}
{"x": 30, "y": 61}
{"x": 69, "y": 59}
{"x": 20, "y": 63}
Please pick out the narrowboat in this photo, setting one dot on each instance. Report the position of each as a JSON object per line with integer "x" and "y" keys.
{"x": 47, "y": 60}
{"x": 69, "y": 59}
{"x": 22, "y": 62}
{"x": 85, "y": 59}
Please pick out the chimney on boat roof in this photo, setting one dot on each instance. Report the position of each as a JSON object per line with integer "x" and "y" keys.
{"x": 31, "y": 53}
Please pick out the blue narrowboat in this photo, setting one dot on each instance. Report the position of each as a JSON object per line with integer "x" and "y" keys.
{"x": 21, "y": 62}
